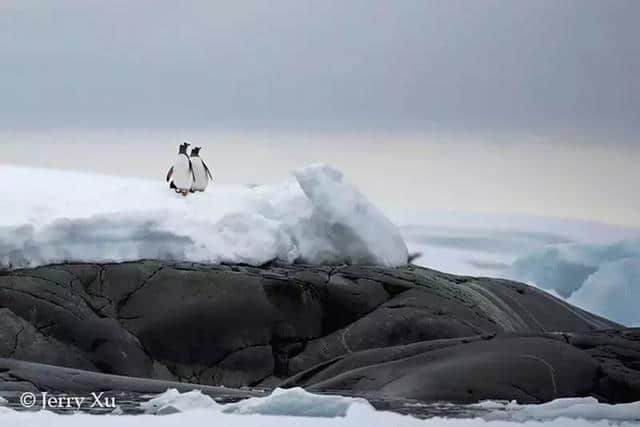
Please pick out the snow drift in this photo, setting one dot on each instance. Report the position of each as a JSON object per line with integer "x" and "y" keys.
{"x": 49, "y": 216}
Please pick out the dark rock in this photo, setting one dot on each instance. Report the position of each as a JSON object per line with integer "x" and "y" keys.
{"x": 528, "y": 369}
{"x": 16, "y": 375}
{"x": 410, "y": 332}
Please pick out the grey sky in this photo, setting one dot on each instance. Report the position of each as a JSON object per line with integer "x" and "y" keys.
{"x": 490, "y": 105}
{"x": 290, "y": 64}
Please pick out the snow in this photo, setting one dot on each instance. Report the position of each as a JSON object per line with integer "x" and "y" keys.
{"x": 204, "y": 418}
{"x": 51, "y": 216}
{"x": 346, "y": 222}
{"x": 296, "y": 407}
{"x": 172, "y": 401}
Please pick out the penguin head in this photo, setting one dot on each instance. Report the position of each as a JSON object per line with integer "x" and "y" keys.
{"x": 183, "y": 148}
{"x": 195, "y": 151}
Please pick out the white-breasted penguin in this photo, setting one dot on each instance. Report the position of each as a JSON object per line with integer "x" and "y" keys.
{"x": 201, "y": 171}
{"x": 180, "y": 176}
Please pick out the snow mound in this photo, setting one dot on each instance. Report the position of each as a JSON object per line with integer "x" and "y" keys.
{"x": 346, "y": 222}
{"x": 604, "y": 279}
{"x": 584, "y": 408}
{"x": 62, "y": 216}
{"x": 172, "y": 401}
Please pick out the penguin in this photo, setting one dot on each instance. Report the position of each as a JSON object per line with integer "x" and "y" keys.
{"x": 201, "y": 171}
{"x": 180, "y": 177}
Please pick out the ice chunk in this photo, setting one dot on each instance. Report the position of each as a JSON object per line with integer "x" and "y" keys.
{"x": 172, "y": 401}
{"x": 347, "y": 222}
{"x": 297, "y": 402}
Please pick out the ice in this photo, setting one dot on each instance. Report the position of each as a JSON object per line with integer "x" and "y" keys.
{"x": 613, "y": 291}
{"x": 295, "y": 407}
{"x": 289, "y": 402}
{"x": 297, "y": 402}
{"x": 604, "y": 279}
{"x": 50, "y": 216}
{"x": 350, "y": 224}
{"x": 487, "y": 244}
{"x": 173, "y": 401}
{"x": 586, "y": 408}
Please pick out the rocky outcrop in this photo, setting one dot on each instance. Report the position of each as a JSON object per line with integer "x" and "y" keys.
{"x": 409, "y": 332}
{"x": 528, "y": 368}
{"x": 20, "y": 376}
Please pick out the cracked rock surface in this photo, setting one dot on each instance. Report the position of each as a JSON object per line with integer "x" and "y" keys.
{"x": 406, "y": 332}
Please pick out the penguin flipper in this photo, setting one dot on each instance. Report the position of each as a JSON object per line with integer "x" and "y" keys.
{"x": 193, "y": 174}
{"x": 206, "y": 168}
{"x": 169, "y": 174}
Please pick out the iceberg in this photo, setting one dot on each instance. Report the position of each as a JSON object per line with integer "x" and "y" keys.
{"x": 603, "y": 279}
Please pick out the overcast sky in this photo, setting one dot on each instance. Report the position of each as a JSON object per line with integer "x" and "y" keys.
{"x": 536, "y": 79}
{"x": 291, "y": 63}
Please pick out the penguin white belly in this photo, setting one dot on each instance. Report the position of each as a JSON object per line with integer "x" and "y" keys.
{"x": 200, "y": 174}
{"x": 182, "y": 177}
